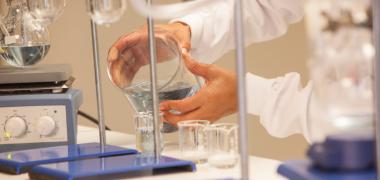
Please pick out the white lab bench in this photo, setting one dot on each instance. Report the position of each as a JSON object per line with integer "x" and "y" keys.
{"x": 260, "y": 168}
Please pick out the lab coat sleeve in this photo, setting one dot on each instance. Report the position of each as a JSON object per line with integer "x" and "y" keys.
{"x": 281, "y": 104}
{"x": 212, "y": 26}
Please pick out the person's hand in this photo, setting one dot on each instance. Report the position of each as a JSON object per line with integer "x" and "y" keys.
{"x": 217, "y": 98}
{"x": 131, "y": 51}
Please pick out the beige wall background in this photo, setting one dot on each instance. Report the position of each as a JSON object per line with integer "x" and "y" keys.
{"x": 71, "y": 43}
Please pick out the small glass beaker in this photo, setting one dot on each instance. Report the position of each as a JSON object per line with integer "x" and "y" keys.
{"x": 223, "y": 145}
{"x": 193, "y": 140}
{"x": 145, "y": 133}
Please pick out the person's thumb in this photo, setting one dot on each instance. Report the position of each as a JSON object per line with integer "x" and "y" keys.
{"x": 199, "y": 69}
{"x": 186, "y": 45}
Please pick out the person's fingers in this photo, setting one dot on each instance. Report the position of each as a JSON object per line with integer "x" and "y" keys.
{"x": 141, "y": 57}
{"x": 174, "y": 119}
{"x": 117, "y": 71}
{"x": 184, "y": 105}
{"x": 186, "y": 45}
{"x": 200, "y": 69}
{"x": 128, "y": 40}
{"x": 182, "y": 31}
{"x": 121, "y": 44}
{"x": 113, "y": 54}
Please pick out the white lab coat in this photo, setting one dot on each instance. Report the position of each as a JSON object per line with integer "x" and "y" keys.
{"x": 281, "y": 103}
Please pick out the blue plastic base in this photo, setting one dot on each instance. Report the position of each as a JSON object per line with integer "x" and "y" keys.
{"x": 344, "y": 152}
{"x": 114, "y": 167}
{"x": 18, "y": 162}
{"x": 303, "y": 170}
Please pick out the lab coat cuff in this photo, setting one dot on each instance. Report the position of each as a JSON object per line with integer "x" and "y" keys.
{"x": 258, "y": 89}
{"x": 196, "y": 27}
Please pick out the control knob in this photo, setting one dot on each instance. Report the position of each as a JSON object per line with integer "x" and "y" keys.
{"x": 15, "y": 127}
{"x": 46, "y": 126}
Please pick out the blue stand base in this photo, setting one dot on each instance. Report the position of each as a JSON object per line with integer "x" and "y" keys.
{"x": 114, "y": 167}
{"x": 303, "y": 170}
{"x": 18, "y": 162}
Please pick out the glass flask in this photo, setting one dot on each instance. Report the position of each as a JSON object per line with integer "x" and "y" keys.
{"x": 223, "y": 145}
{"x": 340, "y": 32}
{"x": 106, "y": 11}
{"x": 193, "y": 140}
{"x": 131, "y": 73}
{"x": 23, "y": 41}
{"x": 46, "y": 11}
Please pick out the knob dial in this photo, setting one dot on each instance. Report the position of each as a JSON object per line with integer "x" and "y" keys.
{"x": 46, "y": 126}
{"x": 15, "y": 127}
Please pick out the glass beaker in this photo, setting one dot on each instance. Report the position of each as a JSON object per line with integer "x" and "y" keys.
{"x": 23, "y": 41}
{"x": 342, "y": 53}
{"x": 131, "y": 73}
{"x": 144, "y": 130}
{"x": 193, "y": 140}
{"x": 106, "y": 11}
{"x": 223, "y": 145}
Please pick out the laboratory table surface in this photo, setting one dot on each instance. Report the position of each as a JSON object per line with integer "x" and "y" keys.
{"x": 260, "y": 168}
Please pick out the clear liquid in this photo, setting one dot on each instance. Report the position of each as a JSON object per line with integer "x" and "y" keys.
{"x": 223, "y": 160}
{"x": 145, "y": 140}
{"x": 196, "y": 156}
{"x": 141, "y": 99}
{"x": 24, "y": 55}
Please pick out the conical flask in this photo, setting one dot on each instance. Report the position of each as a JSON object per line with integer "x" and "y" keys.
{"x": 131, "y": 73}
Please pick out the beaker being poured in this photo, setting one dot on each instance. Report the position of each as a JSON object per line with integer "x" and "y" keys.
{"x": 129, "y": 71}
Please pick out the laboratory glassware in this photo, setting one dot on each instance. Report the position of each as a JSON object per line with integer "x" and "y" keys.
{"x": 23, "y": 41}
{"x": 46, "y": 11}
{"x": 130, "y": 72}
{"x": 223, "y": 145}
{"x": 145, "y": 133}
{"x": 193, "y": 140}
{"x": 341, "y": 67}
{"x": 106, "y": 11}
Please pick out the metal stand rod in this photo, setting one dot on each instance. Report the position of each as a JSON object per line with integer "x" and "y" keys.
{"x": 376, "y": 81}
{"x": 99, "y": 98}
{"x": 240, "y": 70}
{"x": 153, "y": 79}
